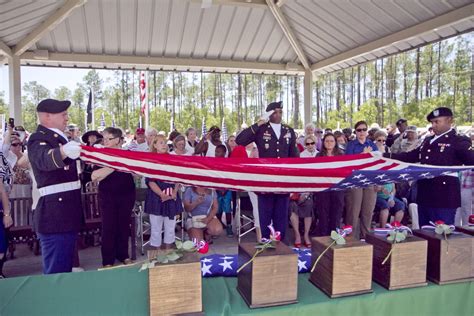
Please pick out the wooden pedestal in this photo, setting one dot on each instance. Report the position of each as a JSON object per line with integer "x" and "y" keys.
{"x": 344, "y": 269}
{"x": 406, "y": 266}
{"x": 271, "y": 279}
{"x": 456, "y": 265}
{"x": 176, "y": 288}
{"x": 469, "y": 230}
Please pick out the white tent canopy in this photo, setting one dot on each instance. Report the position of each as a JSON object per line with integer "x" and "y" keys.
{"x": 307, "y": 37}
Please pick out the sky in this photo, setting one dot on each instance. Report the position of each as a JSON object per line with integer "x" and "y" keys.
{"x": 51, "y": 78}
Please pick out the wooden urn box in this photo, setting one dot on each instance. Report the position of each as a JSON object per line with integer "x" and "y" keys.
{"x": 271, "y": 279}
{"x": 176, "y": 288}
{"x": 449, "y": 262}
{"x": 469, "y": 230}
{"x": 406, "y": 266}
{"x": 344, "y": 269}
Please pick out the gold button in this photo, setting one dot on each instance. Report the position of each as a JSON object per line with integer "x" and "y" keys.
{"x": 429, "y": 150}
{"x": 55, "y": 135}
{"x": 277, "y": 143}
{"x": 444, "y": 182}
{"x": 60, "y": 199}
{"x": 427, "y": 157}
{"x": 278, "y": 150}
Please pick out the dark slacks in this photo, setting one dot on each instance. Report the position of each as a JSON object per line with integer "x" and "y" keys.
{"x": 58, "y": 251}
{"x": 427, "y": 214}
{"x": 273, "y": 207}
{"x": 116, "y": 213}
{"x": 329, "y": 207}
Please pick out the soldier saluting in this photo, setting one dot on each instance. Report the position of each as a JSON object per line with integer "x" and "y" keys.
{"x": 438, "y": 198}
{"x": 273, "y": 140}
{"x": 58, "y": 214}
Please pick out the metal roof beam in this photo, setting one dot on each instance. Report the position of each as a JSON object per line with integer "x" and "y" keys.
{"x": 49, "y": 24}
{"x": 5, "y": 49}
{"x": 443, "y": 20}
{"x": 115, "y": 61}
{"x": 275, "y": 10}
{"x": 246, "y": 3}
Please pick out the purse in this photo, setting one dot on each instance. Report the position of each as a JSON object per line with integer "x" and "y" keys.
{"x": 196, "y": 220}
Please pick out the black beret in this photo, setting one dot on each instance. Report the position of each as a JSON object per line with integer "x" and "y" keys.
{"x": 274, "y": 105}
{"x": 52, "y": 106}
{"x": 439, "y": 112}
{"x": 400, "y": 121}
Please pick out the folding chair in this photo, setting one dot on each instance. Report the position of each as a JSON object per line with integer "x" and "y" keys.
{"x": 142, "y": 222}
{"x": 245, "y": 220}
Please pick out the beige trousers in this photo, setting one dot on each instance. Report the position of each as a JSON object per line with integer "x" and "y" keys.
{"x": 360, "y": 202}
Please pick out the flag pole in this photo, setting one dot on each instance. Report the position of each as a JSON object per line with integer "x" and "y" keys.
{"x": 92, "y": 110}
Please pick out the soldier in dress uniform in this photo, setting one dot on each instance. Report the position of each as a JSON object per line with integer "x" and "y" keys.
{"x": 438, "y": 198}
{"x": 58, "y": 214}
{"x": 273, "y": 140}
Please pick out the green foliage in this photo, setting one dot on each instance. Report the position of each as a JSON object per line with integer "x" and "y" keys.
{"x": 397, "y": 236}
{"x": 337, "y": 238}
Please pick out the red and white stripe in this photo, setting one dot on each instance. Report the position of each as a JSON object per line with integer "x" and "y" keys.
{"x": 257, "y": 175}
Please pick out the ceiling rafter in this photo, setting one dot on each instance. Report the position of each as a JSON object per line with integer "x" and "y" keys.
{"x": 49, "y": 24}
{"x": 115, "y": 61}
{"x": 286, "y": 29}
{"x": 443, "y": 20}
{"x": 5, "y": 49}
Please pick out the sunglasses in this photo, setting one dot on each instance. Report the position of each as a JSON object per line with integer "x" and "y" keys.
{"x": 307, "y": 144}
{"x": 381, "y": 140}
{"x": 319, "y": 132}
{"x": 15, "y": 145}
{"x": 361, "y": 130}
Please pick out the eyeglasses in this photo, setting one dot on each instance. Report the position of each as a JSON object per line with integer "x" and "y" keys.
{"x": 361, "y": 130}
{"x": 307, "y": 144}
{"x": 381, "y": 140}
{"x": 110, "y": 138}
{"x": 319, "y": 132}
{"x": 15, "y": 145}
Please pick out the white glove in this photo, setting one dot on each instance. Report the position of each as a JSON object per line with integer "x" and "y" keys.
{"x": 72, "y": 149}
{"x": 99, "y": 146}
{"x": 377, "y": 154}
{"x": 266, "y": 116}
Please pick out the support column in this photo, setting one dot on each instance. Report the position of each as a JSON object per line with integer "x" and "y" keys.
{"x": 14, "y": 82}
{"x": 308, "y": 96}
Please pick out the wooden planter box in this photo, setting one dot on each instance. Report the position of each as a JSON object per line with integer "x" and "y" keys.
{"x": 176, "y": 288}
{"x": 455, "y": 266}
{"x": 469, "y": 230}
{"x": 406, "y": 266}
{"x": 271, "y": 279}
{"x": 344, "y": 269}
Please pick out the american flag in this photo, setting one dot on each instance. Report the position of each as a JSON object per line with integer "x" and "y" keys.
{"x": 224, "y": 130}
{"x": 226, "y": 265}
{"x": 144, "y": 97}
{"x": 267, "y": 174}
{"x": 203, "y": 127}
{"x": 102, "y": 120}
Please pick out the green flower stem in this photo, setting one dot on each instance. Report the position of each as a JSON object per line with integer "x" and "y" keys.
{"x": 259, "y": 251}
{"x": 321, "y": 255}
{"x": 447, "y": 243}
{"x": 391, "y": 249}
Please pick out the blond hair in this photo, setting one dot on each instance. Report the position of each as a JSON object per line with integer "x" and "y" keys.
{"x": 155, "y": 140}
